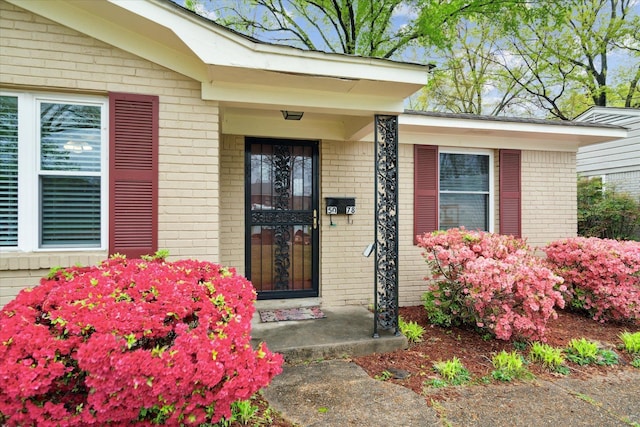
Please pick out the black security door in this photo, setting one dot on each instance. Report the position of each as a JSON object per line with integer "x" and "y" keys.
{"x": 281, "y": 205}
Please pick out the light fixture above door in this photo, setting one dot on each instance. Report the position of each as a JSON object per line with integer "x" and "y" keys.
{"x": 292, "y": 115}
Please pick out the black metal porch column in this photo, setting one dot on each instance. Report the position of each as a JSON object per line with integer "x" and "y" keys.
{"x": 386, "y": 227}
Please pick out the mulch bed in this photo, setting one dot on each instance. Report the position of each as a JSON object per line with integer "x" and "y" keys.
{"x": 441, "y": 344}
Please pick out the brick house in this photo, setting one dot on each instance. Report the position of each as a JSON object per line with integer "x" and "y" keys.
{"x": 132, "y": 126}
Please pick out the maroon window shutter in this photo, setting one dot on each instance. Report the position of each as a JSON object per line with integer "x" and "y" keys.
{"x": 425, "y": 189}
{"x": 133, "y": 174}
{"x": 510, "y": 193}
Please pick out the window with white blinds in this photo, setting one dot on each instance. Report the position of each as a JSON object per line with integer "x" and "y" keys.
{"x": 70, "y": 174}
{"x": 465, "y": 190}
{"x": 53, "y": 152}
{"x": 8, "y": 171}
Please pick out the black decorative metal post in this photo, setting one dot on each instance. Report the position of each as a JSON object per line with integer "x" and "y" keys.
{"x": 386, "y": 230}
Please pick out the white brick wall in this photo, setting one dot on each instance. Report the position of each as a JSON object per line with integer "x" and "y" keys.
{"x": 232, "y": 202}
{"x": 347, "y": 171}
{"x": 37, "y": 55}
{"x": 549, "y": 199}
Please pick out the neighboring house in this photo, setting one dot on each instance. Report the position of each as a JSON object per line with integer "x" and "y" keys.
{"x": 616, "y": 162}
{"x": 129, "y": 126}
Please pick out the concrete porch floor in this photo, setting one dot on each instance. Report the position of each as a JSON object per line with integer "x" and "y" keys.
{"x": 345, "y": 331}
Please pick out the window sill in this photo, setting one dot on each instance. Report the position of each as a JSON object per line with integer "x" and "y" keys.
{"x": 45, "y": 260}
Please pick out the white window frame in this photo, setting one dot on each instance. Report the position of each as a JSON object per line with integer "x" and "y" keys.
{"x": 29, "y": 169}
{"x": 481, "y": 152}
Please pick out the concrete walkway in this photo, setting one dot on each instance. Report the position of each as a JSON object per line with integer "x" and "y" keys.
{"x": 337, "y": 393}
{"x": 344, "y": 331}
{"x": 314, "y": 391}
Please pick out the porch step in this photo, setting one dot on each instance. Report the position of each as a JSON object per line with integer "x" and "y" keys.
{"x": 346, "y": 331}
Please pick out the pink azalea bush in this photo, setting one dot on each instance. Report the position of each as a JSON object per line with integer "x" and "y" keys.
{"x": 602, "y": 276}
{"x": 140, "y": 341}
{"x": 490, "y": 281}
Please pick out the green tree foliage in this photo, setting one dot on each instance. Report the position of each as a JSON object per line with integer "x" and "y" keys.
{"x": 373, "y": 28}
{"x": 565, "y": 51}
{"x": 604, "y": 213}
{"x": 469, "y": 77}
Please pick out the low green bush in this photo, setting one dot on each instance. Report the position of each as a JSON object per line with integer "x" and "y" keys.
{"x": 452, "y": 371}
{"x": 583, "y": 352}
{"x": 605, "y": 213}
{"x": 509, "y": 366}
{"x": 631, "y": 341}
{"x": 550, "y": 357}
{"x": 412, "y": 330}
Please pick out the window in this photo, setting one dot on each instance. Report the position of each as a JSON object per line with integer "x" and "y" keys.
{"x": 455, "y": 187}
{"x": 465, "y": 181}
{"x": 8, "y": 171}
{"x": 52, "y": 153}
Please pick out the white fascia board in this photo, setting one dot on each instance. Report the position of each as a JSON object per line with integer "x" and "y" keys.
{"x": 582, "y": 135}
{"x": 255, "y": 96}
{"x": 80, "y": 17}
{"x": 218, "y": 46}
{"x": 541, "y": 143}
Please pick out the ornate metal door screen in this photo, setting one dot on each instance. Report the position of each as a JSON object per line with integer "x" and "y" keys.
{"x": 386, "y": 218}
{"x": 281, "y": 255}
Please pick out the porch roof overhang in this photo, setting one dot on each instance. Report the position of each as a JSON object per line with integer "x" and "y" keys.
{"x": 468, "y": 130}
{"x": 235, "y": 70}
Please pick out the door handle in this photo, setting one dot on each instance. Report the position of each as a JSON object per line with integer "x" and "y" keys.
{"x": 315, "y": 219}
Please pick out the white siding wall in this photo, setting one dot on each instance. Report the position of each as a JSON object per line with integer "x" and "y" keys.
{"x": 618, "y": 161}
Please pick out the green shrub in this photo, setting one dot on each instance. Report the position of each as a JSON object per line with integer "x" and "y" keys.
{"x": 412, "y": 330}
{"x": 551, "y": 357}
{"x": 509, "y": 366}
{"x": 605, "y": 213}
{"x": 452, "y": 371}
{"x": 631, "y": 341}
{"x": 583, "y": 352}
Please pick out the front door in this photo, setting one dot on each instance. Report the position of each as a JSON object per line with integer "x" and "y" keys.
{"x": 281, "y": 205}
